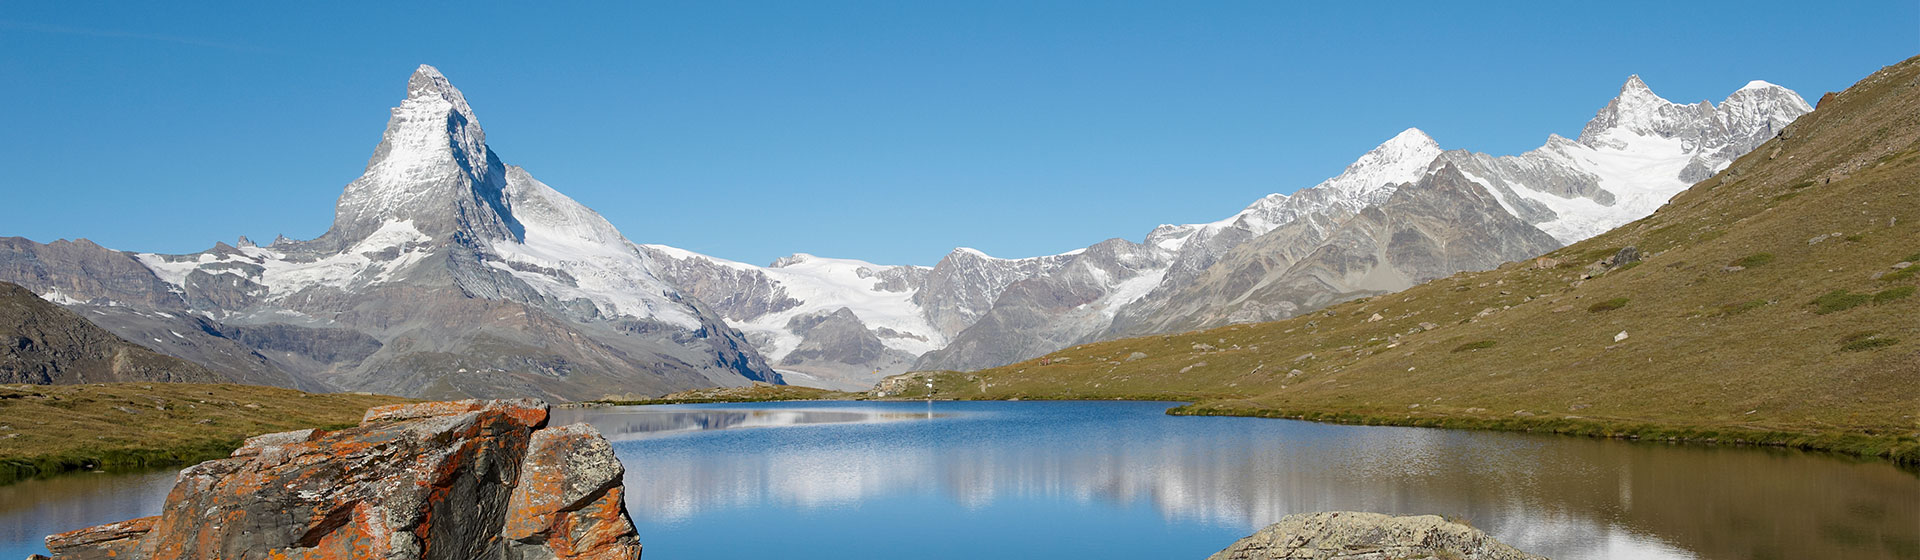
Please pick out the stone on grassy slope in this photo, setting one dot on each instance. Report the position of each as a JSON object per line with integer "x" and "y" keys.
{"x": 1346, "y": 535}
{"x": 453, "y": 480}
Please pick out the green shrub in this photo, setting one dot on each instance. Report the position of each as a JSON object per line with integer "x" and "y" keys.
{"x": 1608, "y": 305}
{"x": 1865, "y": 340}
{"x": 1475, "y": 345}
{"x": 1840, "y": 300}
{"x": 1891, "y": 294}
{"x": 1739, "y": 307}
{"x": 1754, "y": 260}
{"x": 1902, "y": 274}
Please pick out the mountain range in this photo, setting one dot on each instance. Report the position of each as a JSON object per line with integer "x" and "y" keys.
{"x": 448, "y": 273}
{"x": 1403, "y": 213}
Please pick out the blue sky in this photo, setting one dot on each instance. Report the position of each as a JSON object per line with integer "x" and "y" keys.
{"x": 886, "y": 131}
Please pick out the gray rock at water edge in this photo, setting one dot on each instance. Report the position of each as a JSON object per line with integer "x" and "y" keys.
{"x": 1346, "y": 535}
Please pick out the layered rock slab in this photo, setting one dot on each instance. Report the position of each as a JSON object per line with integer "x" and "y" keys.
{"x": 1346, "y": 535}
{"x": 454, "y": 480}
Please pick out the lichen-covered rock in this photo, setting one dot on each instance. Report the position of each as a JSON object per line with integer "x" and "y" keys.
{"x": 1346, "y": 535}
{"x": 570, "y": 502}
{"x": 101, "y": 542}
{"x": 528, "y": 412}
{"x": 456, "y": 480}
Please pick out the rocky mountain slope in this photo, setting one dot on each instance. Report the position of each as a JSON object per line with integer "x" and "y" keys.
{"x": 1770, "y": 303}
{"x": 47, "y": 345}
{"x": 446, "y": 273}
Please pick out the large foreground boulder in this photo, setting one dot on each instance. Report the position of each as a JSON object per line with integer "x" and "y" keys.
{"x": 1346, "y": 535}
{"x": 450, "y": 480}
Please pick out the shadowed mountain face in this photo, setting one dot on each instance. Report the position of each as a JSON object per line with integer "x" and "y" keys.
{"x": 446, "y": 273}
{"x": 1440, "y": 225}
{"x": 42, "y": 344}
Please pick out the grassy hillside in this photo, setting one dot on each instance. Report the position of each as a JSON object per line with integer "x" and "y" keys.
{"x": 1771, "y": 307}
{"x": 49, "y": 429}
{"x": 48, "y": 344}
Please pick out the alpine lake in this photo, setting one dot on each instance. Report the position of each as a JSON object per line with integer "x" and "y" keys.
{"x": 1121, "y": 480}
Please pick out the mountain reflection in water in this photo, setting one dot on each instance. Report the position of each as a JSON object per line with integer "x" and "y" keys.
{"x": 1116, "y": 480}
{"x": 638, "y": 422}
{"x": 985, "y": 468}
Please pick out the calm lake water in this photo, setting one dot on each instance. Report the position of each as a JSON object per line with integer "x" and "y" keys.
{"x": 1117, "y": 480}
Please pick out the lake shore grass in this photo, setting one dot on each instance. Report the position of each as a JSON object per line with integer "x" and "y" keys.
{"x": 1901, "y": 450}
{"x": 47, "y": 430}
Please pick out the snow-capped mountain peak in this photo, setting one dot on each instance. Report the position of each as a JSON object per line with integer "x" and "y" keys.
{"x": 432, "y": 183}
{"x": 1368, "y": 180}
{"x": 432, "y": 167}
{"x": 1762, "y": 108}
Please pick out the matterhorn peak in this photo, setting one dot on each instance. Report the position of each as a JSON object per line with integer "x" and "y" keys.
{"x": 432, "y": 169}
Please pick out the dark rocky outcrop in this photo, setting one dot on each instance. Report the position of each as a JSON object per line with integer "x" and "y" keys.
{"x": 454, "y": 480}
{"x": 1346, "y": 535}
{"x": 43, "y": 344}
{"x": 839, "y": 345}
{"x": 84, "y": 271}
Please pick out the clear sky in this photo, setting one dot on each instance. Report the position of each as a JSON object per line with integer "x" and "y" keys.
{"x": 887, "y": 131}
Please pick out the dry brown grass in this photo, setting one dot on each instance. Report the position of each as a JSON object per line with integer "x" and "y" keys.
{"x": 48, "y": 429}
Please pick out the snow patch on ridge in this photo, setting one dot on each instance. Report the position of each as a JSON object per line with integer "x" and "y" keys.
{"x": 598, "y": 263}
{"x": 283, "y": 276}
